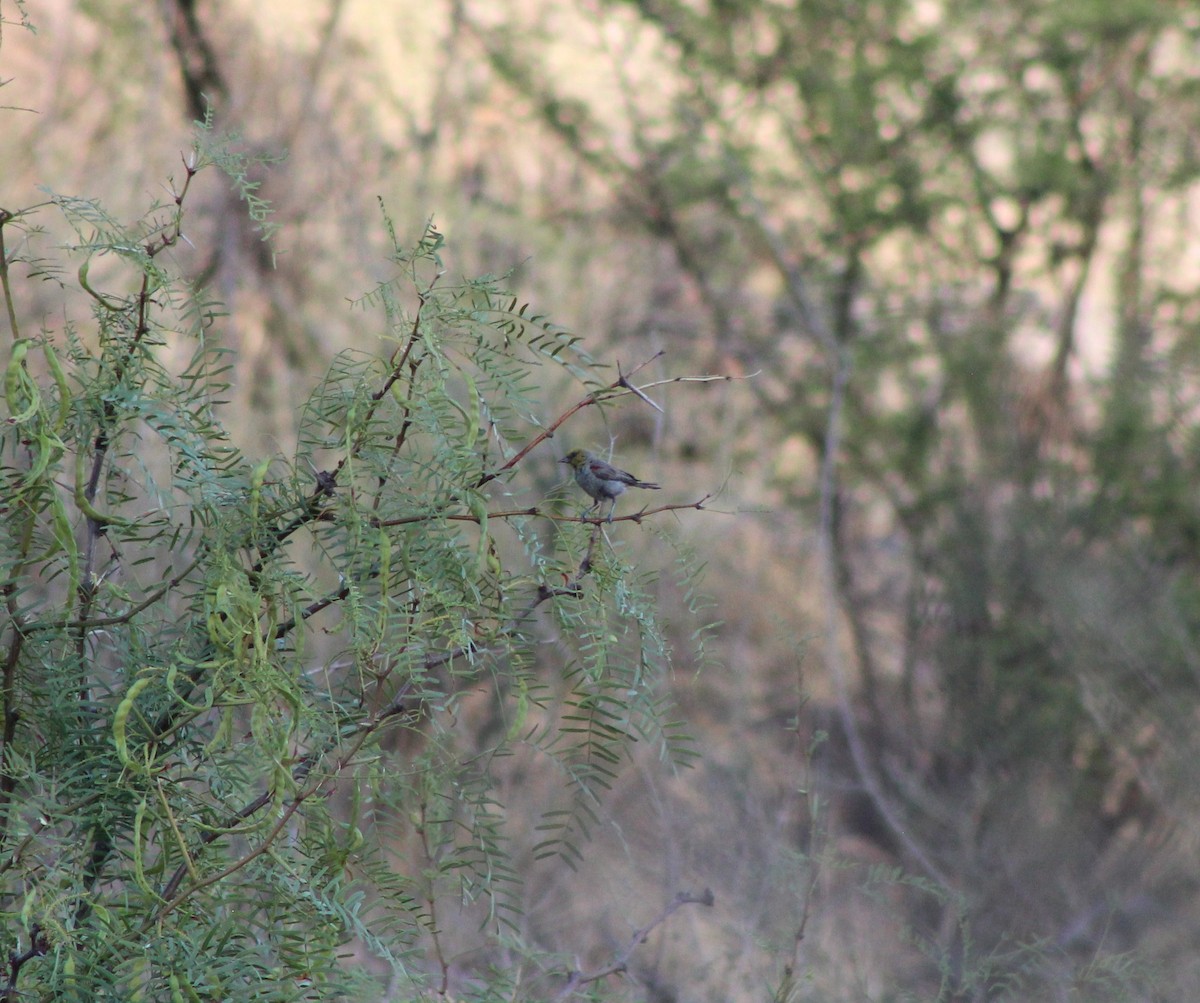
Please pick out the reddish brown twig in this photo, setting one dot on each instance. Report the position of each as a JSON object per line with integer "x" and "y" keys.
{"x": 621, "y": 383}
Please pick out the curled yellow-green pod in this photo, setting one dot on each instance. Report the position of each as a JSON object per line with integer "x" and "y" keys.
{"x": 19, "y": 390}
{"x": 60, "y": 382}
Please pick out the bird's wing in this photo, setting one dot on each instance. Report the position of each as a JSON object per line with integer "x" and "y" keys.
{"x": 607, "y": 472}
{"x": 603, "y": 470}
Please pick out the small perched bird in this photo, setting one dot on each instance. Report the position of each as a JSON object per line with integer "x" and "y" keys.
{"x": 601, "y": 480}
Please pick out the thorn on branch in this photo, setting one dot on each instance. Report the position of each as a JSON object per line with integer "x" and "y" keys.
{"x": 623, "y": 381}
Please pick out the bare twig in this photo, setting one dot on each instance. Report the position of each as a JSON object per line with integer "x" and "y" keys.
{"x": 718, "y": 378}
{"x": 620, "y": 961}
{"x": 534, "y": 510}
{"x": 114, "y": 621}
{"x": 623, "y": 381}
{"x": 618, "y": 385}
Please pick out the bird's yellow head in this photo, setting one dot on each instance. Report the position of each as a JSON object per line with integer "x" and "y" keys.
{"x": 576, "y": 458}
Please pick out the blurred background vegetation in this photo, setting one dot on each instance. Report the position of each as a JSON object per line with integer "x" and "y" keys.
{"x": 949, "y": 751}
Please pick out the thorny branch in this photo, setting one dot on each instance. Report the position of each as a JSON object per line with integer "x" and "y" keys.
{"x": 618, "y": 388}
{"x": 620, "y": 384}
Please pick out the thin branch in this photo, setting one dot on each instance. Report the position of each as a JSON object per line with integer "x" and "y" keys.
{"x": 594, "y": 397}
{"x": 718, "y": 378}
{"x": 360, "y": 733}
{"x": 233, "y": 868}
{"x": 620, "y": 961}
{"x": 812, "y": 805}
{"x": 167, "y": 236}
{"x": 211, "y": 836}
{"x": 313, "y": 507}
{"x": 534, "y": 510}
{"x": 623, "y": 381}
{"x": 8, "y": 693}
{"x": 41, "y": 821}
{"x": 122, "y": 618}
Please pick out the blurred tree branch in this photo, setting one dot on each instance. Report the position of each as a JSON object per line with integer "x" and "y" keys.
{"x": 204, "y": 84}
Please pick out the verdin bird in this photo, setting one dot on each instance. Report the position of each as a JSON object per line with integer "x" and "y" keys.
{"x": 601, "y": 480}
